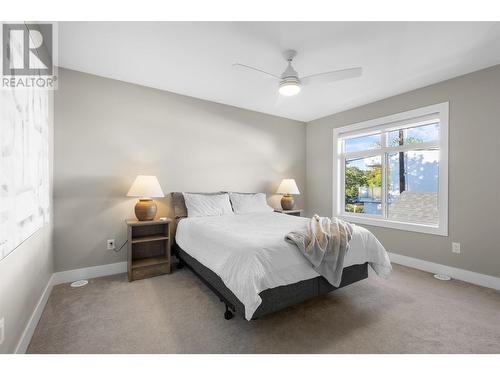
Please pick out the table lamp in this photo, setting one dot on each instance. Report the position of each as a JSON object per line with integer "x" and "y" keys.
{"x": 145, "y": 187}
{"x": 288, "y": 187}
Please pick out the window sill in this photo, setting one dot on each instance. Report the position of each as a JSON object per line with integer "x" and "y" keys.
{"x": 411, "y": 227}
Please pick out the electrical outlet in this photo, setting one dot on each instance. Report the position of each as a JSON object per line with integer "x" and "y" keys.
{"x": 455, "y": 247}
{"x": 111, "y": 244}
{"x": 2, "y": 330}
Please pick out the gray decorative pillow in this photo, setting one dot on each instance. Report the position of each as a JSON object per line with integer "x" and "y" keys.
{"x": 180, "y": 209}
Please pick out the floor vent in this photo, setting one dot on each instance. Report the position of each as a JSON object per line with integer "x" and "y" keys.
{"x": 442, "y": 277}
{"x": 79, "y": 283}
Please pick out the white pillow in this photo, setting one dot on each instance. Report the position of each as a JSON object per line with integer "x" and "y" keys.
{"x": 207, "y": 204}
{"x": 244, "y": 203}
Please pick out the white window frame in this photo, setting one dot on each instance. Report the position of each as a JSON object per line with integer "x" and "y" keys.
{"x": 396, "y": 121}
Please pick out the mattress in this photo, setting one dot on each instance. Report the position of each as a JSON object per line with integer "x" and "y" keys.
{"x": 249, "y": 252}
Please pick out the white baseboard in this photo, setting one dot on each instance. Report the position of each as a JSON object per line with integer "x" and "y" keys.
{"x": 61, "y": 278}
{"x": 456, "y": 273}
{"x": 89, "y": 272}
{"x": 25, "y": 340}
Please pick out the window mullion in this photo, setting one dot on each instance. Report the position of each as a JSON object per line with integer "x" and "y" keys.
{"x": 341, "y": 197}
{"x": 363, "y": 154}
{"x": 385, "y": 137}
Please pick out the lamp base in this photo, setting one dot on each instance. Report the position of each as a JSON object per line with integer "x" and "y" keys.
{"x": 145, "y": 209}
{"x": 287, "y": 202}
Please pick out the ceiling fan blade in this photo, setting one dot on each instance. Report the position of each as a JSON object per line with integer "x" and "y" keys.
{"x": 335, "y": 75}
{"x": 243, "y": 66}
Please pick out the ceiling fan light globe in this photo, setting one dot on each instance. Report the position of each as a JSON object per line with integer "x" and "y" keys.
{"x": 289, "y": 88}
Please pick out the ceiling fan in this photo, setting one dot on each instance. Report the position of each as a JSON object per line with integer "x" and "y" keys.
{"x": 289, "y": 82}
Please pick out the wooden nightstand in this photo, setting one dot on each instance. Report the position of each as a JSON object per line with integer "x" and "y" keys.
{"x": 289, "y": 212}
{"x": 148, "y": 248}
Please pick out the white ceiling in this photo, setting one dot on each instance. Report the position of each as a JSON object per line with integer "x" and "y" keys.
{"x": 196, "y": 59}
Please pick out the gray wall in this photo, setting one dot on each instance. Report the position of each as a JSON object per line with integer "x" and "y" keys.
{"x": 107, "y": 132}
{"x": 25, "y": 272}
{"x": 474, "y": 165}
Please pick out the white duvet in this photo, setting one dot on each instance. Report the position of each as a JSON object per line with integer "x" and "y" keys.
{"x": 249, "y": 252}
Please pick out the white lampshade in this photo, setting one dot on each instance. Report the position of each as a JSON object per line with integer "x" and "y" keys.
{"x": 146, "y": 186}
{"x": 288, "y": 186}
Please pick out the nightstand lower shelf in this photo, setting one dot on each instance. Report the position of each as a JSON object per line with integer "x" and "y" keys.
{"x": 138, "y": 263}
{"x": 144, "y": 272}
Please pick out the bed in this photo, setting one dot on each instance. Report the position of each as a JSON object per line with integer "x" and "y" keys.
{"x": 246, "y": 262}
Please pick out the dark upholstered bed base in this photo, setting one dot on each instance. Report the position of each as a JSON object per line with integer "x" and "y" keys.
{"x": 273, "y": 299}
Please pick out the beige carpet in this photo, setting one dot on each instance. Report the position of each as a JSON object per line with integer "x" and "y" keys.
{"x": 409, "y": 313}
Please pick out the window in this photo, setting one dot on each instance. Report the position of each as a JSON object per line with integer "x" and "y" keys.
{"x": 393, "y": 171}
{"x": 24, "y": 152}
{"x": 24, "y": 165}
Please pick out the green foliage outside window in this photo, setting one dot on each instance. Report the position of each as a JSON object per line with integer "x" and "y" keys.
{"x": 355, "y": 178}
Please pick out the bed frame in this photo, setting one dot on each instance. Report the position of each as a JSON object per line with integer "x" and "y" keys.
{"x": 273, "y": 299}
